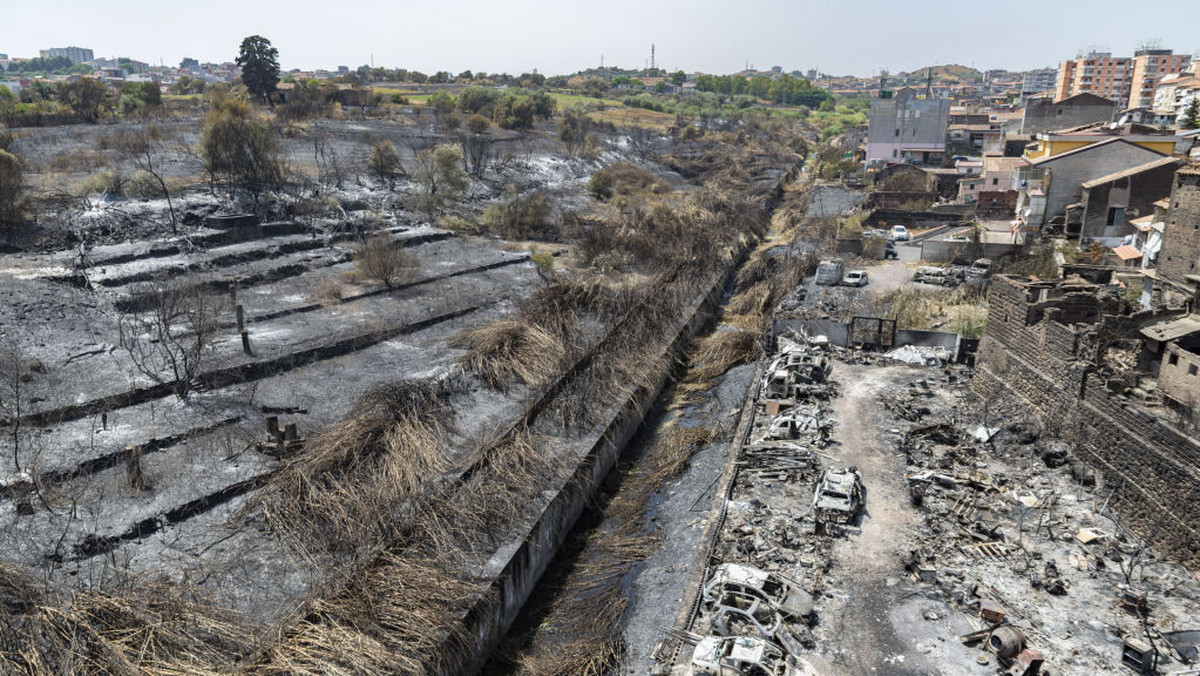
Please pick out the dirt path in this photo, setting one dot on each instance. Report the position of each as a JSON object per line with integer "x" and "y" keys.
{"x": 867, "y": 569}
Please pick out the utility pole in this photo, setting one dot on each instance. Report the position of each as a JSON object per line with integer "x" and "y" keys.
{"x": 651, "y": 56}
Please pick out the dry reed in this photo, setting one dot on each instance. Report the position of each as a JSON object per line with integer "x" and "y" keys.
{"x": 343, "y": 491}
{"x": 510, "y": 351}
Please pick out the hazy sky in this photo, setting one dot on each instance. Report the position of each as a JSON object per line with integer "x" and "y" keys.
{"x": 840, "y": 37}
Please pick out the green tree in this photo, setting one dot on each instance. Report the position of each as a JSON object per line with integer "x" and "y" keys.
{"x": 86, "y": 97}
{"x": 573, "y": 128}
{"x": 1191, "y": 117}
{"x": 10, "y": 187}
{"x": 477, "y": 124}
{"x": 477, "y": 100}
{"x": 384, "y": 163}
{"x": 240, "y": 149}
{"x": 140, "y": 98}
{"x": 601, "y": 184}
{"x": 259, "y": 62}
{"x": 678, "y": 78}
{"x": 441, "y": 102}
{"x": 441, "y": 176}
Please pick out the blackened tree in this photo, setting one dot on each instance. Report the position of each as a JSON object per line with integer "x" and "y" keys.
{"x": 259, "y": 62}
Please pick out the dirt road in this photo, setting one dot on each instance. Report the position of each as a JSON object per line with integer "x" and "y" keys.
{"x": 861, "y": 636}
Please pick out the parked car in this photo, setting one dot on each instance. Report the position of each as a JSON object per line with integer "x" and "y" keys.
{"x": 899, "y": 233}
{"x": 982, "y": 267}
{"x": 830, "y": 273}
{"x": 928, "y": 274}
{"x": 855, "y": 278}
{"x": 839, "y": 495}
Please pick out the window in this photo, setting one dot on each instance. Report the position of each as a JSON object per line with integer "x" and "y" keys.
{"x": 1192, "y": 369}
{"x": 897, "y": 133}
{"x": 1173, "y": 359}
{"x": 995, "y": 181}
{"x": 1116, "y": 216}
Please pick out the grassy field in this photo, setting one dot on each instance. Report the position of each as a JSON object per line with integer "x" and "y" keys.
{"x": 625, "y": 117}
{"x": 411, "y": 95}
{"x": 569, "y": 100}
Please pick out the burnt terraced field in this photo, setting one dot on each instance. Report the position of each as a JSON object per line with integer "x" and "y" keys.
{"x": 78, "y": 513}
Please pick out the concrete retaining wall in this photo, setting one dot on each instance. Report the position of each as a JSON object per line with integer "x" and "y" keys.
{"x": 839, "y": 334}
{"x": 518, "y": 565}
{"x": 942, "y": 251}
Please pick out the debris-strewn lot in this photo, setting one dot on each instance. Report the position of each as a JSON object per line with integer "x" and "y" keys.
{"x": 975, "y": 544}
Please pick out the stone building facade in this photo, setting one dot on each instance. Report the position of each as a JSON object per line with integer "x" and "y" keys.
{"x": 1109, "y": 203}
{"x": 1046, "y": 114}
{"x": 1180, "y": 255}
{"x": 1179, "y": 375}
{"x": 1047, "y": 343}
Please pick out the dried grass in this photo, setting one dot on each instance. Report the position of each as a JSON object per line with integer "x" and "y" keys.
{"x": 403, "y": 613}
{"x": 327, "y": 292}
{"x": 718, "y": 352}
{"x": 510, "y": 351}
{"x": 754, "y": 300}
{"x": 397, "y": 616}
{"x": 581, "y": 634}
{"x": 345, "y": 489}
{"x": 144, "y": 626}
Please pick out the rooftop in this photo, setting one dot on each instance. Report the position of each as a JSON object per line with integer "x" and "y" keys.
{"x": 1170, "y": 329}
{"x": 1086, "y": 149}
{"x": 1132, "y": 171}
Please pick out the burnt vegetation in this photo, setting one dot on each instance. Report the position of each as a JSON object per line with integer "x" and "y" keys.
{"x": 276, "y": 215}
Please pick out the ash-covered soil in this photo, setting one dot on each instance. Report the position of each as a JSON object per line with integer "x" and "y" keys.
{"x": 71, "y": 509}
{"x": 320, "y": 336}
{"x": 967, "y": 508}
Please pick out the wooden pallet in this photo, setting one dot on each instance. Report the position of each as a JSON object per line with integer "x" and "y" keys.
{"x": 994, "y": 551}
{"x": 964, "y": 507}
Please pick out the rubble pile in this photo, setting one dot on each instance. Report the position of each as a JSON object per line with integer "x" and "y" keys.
{"x": 1019, "y": 537}
{"x": 1013, "y": 554}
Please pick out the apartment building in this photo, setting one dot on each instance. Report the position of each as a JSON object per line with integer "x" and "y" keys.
{"x": 75, "y": 54}
{"x": 1098, "y": 73}
{"x": 1130, "y": 81}
{"x": 1149, "y": 67}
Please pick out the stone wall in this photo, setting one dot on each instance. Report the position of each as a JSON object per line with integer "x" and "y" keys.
{"x": 1179, "y": 375}
{"x": 1042, "y": 345}
{"x": 1046, "y": 115}
{"x": 1069, "y": 171}
{"x": 1135, "y": 194}
{"x": 1181, "y": 235}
